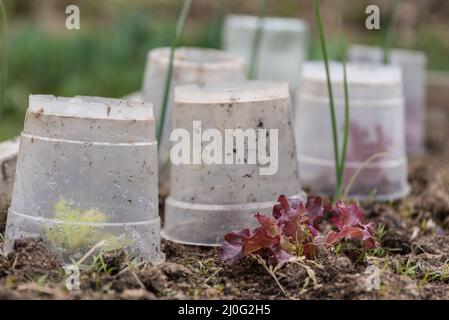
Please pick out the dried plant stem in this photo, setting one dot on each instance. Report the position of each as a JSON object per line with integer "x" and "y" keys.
{"x": 272, "y": 272}
{"x": 310, "y": 274}
{"x": 3, "y": 55}
{"x": 359, "y": 169}
{"x": 100, "y": 244}
{"x": 128, "y": 267}
{"x": 255, "y": 48}
{"x": 331, "y": 98}
{"x": 168, "y": 80}
{"x": 139, "y": 282}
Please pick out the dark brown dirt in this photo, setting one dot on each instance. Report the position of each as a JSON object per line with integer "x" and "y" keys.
{"x": 413, "y": 262}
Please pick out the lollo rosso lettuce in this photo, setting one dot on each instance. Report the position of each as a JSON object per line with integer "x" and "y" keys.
{"x": 292, "y": 231}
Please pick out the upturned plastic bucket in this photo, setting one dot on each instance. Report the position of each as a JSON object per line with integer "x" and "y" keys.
{"x": 8, "y": 157}
{"x": 87, "y": 172}
{"x": 190, "y": 66}
{"x": 224, "y": 178}
{"x": 283, "y": 46}
{"x": 413, "y": 65}
{"x": 376, "y": 131}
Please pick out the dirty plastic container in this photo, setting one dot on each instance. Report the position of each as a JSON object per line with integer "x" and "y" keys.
{"x": 8, "y": 158}
{"x": 212, "y": 196}
{"x": 376, "y": 126}
{"x": 87, "y": 172}
{"x": 283, "y": 46}
{"x": 413, "y": 65}
{"x": 190, "y": 66}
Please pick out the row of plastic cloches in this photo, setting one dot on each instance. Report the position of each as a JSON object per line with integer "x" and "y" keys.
{"x": 88, "y": 168}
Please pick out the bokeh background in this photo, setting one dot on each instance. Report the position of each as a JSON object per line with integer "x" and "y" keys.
{"x": 106, "y": 57}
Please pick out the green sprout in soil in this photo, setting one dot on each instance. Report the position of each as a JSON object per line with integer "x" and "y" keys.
{"x": 75, "y": 229}
{"x": 3, "y": 55}
{"x": 440, "y": 275}
{"x": 338, "y": 160}
{"x": 168, "y": 80}
{"x": 40, "y": 281}
{"x": 409, "y": 268}
{"x": 99, "y": 265}
{"x": 257, "y": 39}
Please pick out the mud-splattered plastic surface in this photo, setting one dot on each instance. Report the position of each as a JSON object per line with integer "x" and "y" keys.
{"x": 376, "y": 128}
{"x": 209, "y": 200}
{"x": 8, "y": 158}
{"x": 87, "y": 172}
{"x": 414, "y": 67}
{"x": 190, "y": 66}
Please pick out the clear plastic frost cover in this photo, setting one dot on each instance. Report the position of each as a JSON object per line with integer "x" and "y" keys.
{"x": 87, "y": 172}
{"x": 283, "y": 46}
{"x": 8, "y": 154}
{"x": 413, "y": 65}
{"x": 190, "y": 66}
{"x": 210, "y": 198}
{"x": 376, "y": 130}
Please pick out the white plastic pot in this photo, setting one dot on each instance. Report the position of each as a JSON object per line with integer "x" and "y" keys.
{"x": 190, "y": 66}
{"x": 376, "y": 128}
{"x": 8, "y": 158}
{"x": 413, "y": 65}
{"x": 212, "y": 197}
{"x": 283, "y": 46}
{"x": 87, "y": 172}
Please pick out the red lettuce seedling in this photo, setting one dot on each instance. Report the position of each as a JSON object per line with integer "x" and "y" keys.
{"x": 291, "y": 232}
{"x": 348, "y": 220}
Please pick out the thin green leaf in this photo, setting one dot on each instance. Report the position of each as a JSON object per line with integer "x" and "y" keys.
{"x": 390, "y": 34}
{"x": 3, "y": 55}
{"x": 344, "y": 150}
{"x": 331, "y": 97}
{"x": 255, "y": 48}
{"x": 168, "y": 80}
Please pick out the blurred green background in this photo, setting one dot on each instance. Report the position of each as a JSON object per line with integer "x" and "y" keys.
{"x": 106, "y": 57}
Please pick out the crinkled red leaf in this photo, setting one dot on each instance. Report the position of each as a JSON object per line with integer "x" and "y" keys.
{"x": 231, "y": 250}
{"x": 281, "y": 207}
{"x": 347, "y": 215}
{"x": 292, "y": 214}
{"x": 292, "y": 231}
{"x": 270, "y": 225}
{"x": 348, "y": 220}
{"x": 278, "y": 256}
{"x": 258, "y": 240}
{"x": 265, "y": 238}
{"x": 314, "y": 208}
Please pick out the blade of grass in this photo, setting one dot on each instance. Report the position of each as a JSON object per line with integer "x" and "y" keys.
{"x": 255, "y": 48}
{"x": 390, "y": 34}
{"x": 3, "y": 55}
{"x": 331, "y": 97}
{"x": 168, "y": 80}
{"x": 344, "y": 150}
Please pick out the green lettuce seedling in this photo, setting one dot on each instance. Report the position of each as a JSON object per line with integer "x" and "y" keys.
{"x": 75, "y": 229}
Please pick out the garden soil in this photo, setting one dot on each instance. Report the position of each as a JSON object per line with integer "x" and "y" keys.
{"x": 413, "y": 262}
